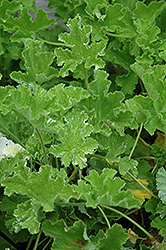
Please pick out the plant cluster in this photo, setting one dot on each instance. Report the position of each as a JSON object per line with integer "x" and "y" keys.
{"x": 83, "y": 124}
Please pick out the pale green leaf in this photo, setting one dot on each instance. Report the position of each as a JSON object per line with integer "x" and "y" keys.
{"x": 74, "y": 144}
{"x": 114, "y": 237}
{"x": 37, "y": 185}
{"x": 8, "y": 205}
{"x": 105, "y": 189}
{"x": 161, "y": 179}
{"x": 26, "y": 28}
{"x": 67, "y": 237}
{"x": 28, "y": 215}
{"x": 125, "y": 164}
{"x": 79, "y": 49}
{"x": 37, "y": 64}
{"x": 67, "y": 97}
{"x": 114, "y": 144}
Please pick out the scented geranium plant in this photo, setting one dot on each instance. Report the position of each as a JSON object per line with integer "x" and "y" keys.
{"x": 83, "y": 124}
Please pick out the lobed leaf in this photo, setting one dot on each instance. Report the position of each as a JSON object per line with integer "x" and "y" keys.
{"x": 37, "y": 185}
{"x": 74, "y": 144}
{"x": 79, "y": 49}
{"x": 67, "y": 237}
{"x": 25, "y": 27}
{"x": 37, "y": 64}
{"x": 112, "y": 234}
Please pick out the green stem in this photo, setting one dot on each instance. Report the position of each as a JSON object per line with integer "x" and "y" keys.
{"x": 143, "y": 185}
{"x": 86, "y": 78}
{"x": 135, "y": 143}
{"x": 116, "y": 35}
{"x": 42, "y": 143}
{"x": 47, "y": 244}
{"x": 74, "y": 172}
{"x": 128, "y": 218}
{"x": 29, "y": 243}
{"x": 37, "y": 240}
{"x": 12, "y": 135}
{"x": 144, "y": 142}
{"x": 105, "y": 217}
{"x": 12, "y": 243}
{"x": 146, "y": 157}
{"x": 55, "y": 44}
{"x": 70, "y": 204}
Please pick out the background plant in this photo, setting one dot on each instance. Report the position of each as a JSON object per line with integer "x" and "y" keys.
{"x": 83, "y": 125}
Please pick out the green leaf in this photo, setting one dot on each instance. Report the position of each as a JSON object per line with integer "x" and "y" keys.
{"x": 112, "y": 234}
{"x": 7, "y": 8}
{"x": 25, "y": 27}
{"x": 37, "y": 185}
{"x": 161, "y": 179}
{"x": 115, "y": 144}
{"x": 74, "y": 237}
{"x": 127, "y": 82}
{"x": 8, "y": 205}
{"x": 73, "y": 142}
{"x": 125, "y": 164}
{"x": 37, "y": 64}
{"x": 79, "y": 49}
{"x": 149, "y": 12}
{"x": 7, "y": 165}
{"x": 154, "y": 81}
{"x": 105, "y": 189}
{"x": 93, "y": 7}
{"x": 28, "y": 215}
{"x": 160, "y": 225}
{"x": 67, "y": 97}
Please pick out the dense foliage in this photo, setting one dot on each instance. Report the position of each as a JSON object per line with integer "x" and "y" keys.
{"x": 83, "y": 124}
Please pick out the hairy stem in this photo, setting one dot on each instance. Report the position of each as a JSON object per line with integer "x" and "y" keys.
{"x": 105, "y": 217}
{"x": 128, "y": 218}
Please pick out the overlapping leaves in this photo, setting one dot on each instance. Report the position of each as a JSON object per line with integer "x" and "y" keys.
{"x": 80, "y": 51}
{"x": 37, "y": 64}
{"x": 37, "y": 185}
{"x": 105, "y": 189}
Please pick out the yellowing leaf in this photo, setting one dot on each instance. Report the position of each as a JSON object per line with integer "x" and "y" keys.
{"x": 132, "y": 236}
{"x": 138, "y": 191}
{"x": 160, "y": 139}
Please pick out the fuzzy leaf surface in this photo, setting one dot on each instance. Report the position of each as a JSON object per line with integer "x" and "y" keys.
{"x": 37, "y": 185}
{"x": 105, "y": 189}
{"x": 37, "y": 64}
{"x": 161, "y": 179}
{"x": 73, "y": 145}
{"x": 79, "y": 49}
{"x": 28, "y": 215}
{"x": 26, "y": 28}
